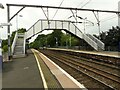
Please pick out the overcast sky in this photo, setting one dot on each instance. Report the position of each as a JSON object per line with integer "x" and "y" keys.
{"x": 31, "y": 15}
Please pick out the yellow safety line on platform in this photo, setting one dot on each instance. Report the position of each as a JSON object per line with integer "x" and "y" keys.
{"x": 41, "y": 73}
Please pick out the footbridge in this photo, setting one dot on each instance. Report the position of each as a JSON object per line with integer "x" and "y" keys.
{"x": 68, "y": 26}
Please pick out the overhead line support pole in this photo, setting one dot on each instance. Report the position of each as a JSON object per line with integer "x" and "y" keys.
{"x": 98, "y": 21}
{"x": 9, "y": 45}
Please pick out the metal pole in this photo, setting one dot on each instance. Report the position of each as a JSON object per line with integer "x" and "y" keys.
{"x": 98, "y": 25}
{"x": 84, "y": 25}
{"x": 8, "y": 19}
{"x": 17, "y": 22}
{"x": 98, "y": 22}
{"x": 70, "y": 40}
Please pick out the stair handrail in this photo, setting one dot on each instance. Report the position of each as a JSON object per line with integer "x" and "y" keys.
{"x": 14, "y": 42}
{"x": 90, "y": 41}
{"x": 87, "y": 39}
{"x": 99, "y": 43}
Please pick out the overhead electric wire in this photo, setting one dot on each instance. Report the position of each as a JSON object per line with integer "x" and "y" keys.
{"x": 57, "y": 9}
{"x": 109, "y": 17}
{"x": 86, "y": 3}
{"x": 83, "y": 5}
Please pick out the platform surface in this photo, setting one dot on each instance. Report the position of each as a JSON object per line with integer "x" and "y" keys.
{"x": 25, "y": 73}
{"x": 21, "y": 73}
{"x": 103, "y": 53}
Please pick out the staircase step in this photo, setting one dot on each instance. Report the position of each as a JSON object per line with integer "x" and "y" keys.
{"x": 19, "y": 56}
{"x": 18, "y": 52}
{"x": 18, "y": 49}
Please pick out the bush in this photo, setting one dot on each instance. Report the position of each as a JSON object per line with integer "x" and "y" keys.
{"x": 5, "y": 48}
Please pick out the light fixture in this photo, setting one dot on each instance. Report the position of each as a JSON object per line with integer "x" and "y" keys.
{"x": 1, "y": 6}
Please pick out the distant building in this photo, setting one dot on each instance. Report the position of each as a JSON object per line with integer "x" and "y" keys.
{"x": 119, "y": 14}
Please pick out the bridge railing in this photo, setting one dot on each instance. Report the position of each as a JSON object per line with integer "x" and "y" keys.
{"x": 90, "y": 41}
{"x": 87, "y": 39}
{"x": 14, "y": 42}
{"x": 69, "y": 26}
{"x": 43, "y": 24}
{"x": 99, "y": 43}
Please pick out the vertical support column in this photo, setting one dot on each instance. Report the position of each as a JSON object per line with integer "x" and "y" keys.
{"x": 48, "y": 18}
{"x": 98, "y": 24}
{"x": 41, "y": 25}
{"x": 119, "y": 14}
{"x": 62, "y": 24}
{"x": 98, "y": 21}
{"x": 33, "y": 30}
{"x": 9, "y": 45}
{"x": 55, "y": 24}
{"x": 70, "y": 34}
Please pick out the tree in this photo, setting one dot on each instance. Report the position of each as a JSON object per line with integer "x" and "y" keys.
{"x": 111, "y": 38}
{"x": 5, "y": 42}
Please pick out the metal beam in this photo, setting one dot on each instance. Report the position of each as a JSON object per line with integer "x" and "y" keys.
{"x": 16, "y": 13}
{"x": 67, "y": 8}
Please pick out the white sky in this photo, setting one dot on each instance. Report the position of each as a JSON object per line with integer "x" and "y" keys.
{"x": 31, "y": 15}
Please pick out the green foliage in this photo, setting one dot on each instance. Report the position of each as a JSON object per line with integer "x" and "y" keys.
{"x": 112, "y": 37}
{"x": 5, "y": 42}
{"x": 55, "y": 39}
{"x": 22, "y": 30}
{"x": 5, "y": 48}
{"x": 68, "y": 40}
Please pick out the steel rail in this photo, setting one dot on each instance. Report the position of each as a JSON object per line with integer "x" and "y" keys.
{"x": 72, "y": 66}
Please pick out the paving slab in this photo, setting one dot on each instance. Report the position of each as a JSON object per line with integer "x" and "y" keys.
{"x": 21, "y": 73}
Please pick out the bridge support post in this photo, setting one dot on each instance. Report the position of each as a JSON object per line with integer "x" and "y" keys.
{"x": 9, "y": 45}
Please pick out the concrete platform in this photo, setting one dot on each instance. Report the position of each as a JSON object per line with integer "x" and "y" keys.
{"x": 21, "y": 73}
{"x": 36, "y": 71}
{"x": 62, "y": 76}
{"x": 103, "y": 53}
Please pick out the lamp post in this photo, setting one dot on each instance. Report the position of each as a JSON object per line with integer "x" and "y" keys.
{"x": 85, "y": 21}
{"x": 1, "y": 6}
{"x": 17, "y": 20}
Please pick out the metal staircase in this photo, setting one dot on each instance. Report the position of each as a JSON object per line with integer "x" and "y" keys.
{"x": 18, "y": 50}
{"x": 99, "y": 43}
{"x": 68, "y": 26}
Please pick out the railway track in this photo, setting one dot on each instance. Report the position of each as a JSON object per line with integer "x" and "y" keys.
{"x": 91, "y": 74}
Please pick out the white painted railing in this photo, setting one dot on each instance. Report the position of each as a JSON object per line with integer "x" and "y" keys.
{"x": 69, "y": 26}
{"x": 100, "y": 44}
{"x": 87, "y": 39}
{"x": 90, "y": 42}
{"x": 43, "y": 24}
{"x": 14, "y": 42}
